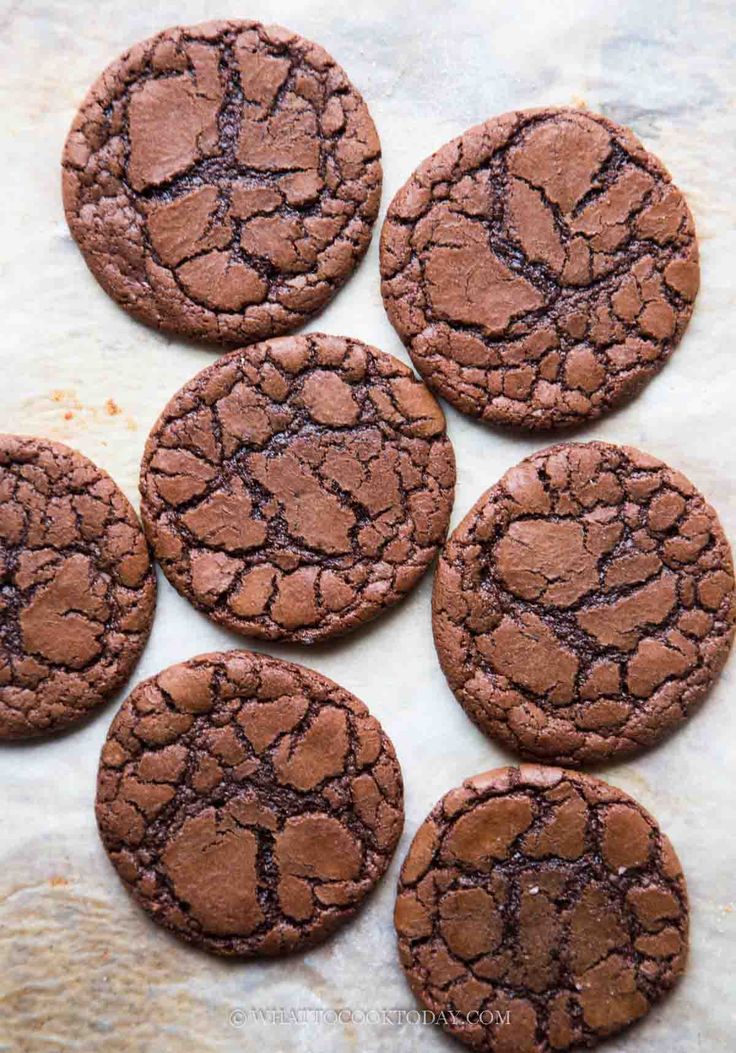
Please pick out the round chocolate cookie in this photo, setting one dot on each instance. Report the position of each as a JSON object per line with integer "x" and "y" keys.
{"x": 585, "y": 604}
{"x": 78, "y": 589}
{"x": 298, "y": 488}
{"x": 222, "y": 180}
{"x": 540, "y": 268}
{"x": 539, "y": 910}
{"x": 249, "y": 805}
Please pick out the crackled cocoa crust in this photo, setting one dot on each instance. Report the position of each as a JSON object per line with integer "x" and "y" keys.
{"x": 585, "y": 604}
{"x": 222, "y": 180}
{"x": 78, "y": 589}
{"x": 540, "y": 268}
{"x": 297, "y": 488}
{"x": 249, "y": 804}
{"x": 545, "y": 894}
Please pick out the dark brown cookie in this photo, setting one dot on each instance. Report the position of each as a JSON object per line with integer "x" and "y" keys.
{"x": 78, "y": 589}
{"x": 540, "y": 909}
{"x": 222, "y": 180}
{"x": 249, "y": 805}
{"x": 585, "y": 604}
{"x": 540, "y": 268}
{"x": 298, "y": 488}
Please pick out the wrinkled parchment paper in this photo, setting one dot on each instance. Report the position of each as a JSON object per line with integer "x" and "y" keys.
{"x": 81, "y": 969}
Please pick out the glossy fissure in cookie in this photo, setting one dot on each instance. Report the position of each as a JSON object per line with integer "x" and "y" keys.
{"x": 298, "y": 488}
{"x": 222, "y": 180}
{"x": 539, "y": 910}
{"x": 78, "y": 589}
{"x": 540, "y": 268}
{"x": 249, "y": 804}
{"x": 585, "y": 604}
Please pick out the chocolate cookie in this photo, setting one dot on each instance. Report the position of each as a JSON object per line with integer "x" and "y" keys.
{"x": 222, "y": 180}
{"x": 539, "y": 910}
{"x": 585, "y": 604}
{"x": 540, "y": 268}
{"x": 78, "y": 589}
{"x": 249, "y": 805}
{"x": 298, "y": 488}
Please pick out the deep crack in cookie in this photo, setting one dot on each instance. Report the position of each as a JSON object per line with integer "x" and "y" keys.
{"x": 296, "y": 489}
{"x": 540, "y": 268}
{"x": 78, "y": 588}
{"x": 249, "y": 804}
{"x": 540, "y": 909}
{"x": 222, "y": 180}
{"x": 585, "y": 604}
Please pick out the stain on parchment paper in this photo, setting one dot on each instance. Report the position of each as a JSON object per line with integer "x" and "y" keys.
{"x": 76, "y": 977}
{"x": 60, "y": 413}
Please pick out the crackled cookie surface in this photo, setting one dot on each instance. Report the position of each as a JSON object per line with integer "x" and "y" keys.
{"x": 540, "y": 268}
{"x": 540, "y": 910}
{"x": 222, "y": 180}
{"x": 585, "y": 604}
{"x": 249, "y": 804}
{"x": 298, "y": 488}
{"x": 78, "y": 589}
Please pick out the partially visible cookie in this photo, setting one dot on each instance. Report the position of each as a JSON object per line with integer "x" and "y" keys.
{"x": 296, "y": 489}
{"x": 249, "y": 804}
{"x": 585, "y": 604}
{"x": 540, "y": 909}
{"x": 540, "y": 268}
{"x": 78, "y": 589}
{"x": 222, "y": 180}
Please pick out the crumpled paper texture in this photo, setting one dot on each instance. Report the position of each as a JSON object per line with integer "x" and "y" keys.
{"x": 81, "y": 968}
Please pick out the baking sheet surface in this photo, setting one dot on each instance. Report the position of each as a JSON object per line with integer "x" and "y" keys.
{"x": 82, "y": 969}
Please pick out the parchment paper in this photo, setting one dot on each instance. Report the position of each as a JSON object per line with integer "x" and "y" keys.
{"x": 81, "y": 968}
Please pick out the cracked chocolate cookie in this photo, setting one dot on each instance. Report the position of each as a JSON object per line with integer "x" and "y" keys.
{"x": 222, "y": 180}
{"x": 77, "y": 591}
{"x": 249, "y": 805}
{"x": 298, "y": 488}
{"x": 540, "y": 909}
{"x": 540, "y": 268}
{"x": 585, "y": 604}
